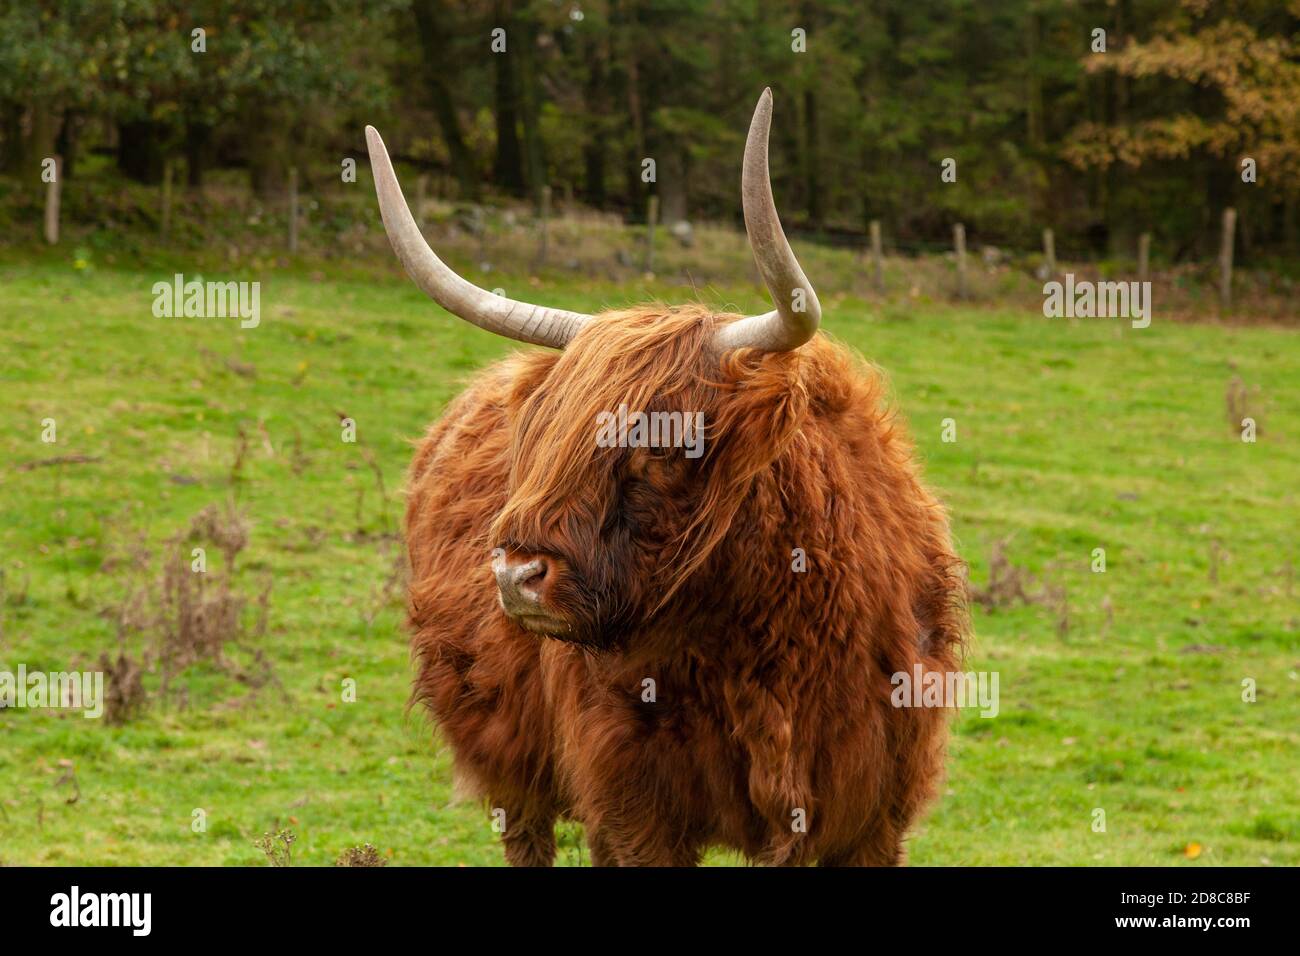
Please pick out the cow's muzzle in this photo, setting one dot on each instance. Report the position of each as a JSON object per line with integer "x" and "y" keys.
{"x": 521, "y": 582}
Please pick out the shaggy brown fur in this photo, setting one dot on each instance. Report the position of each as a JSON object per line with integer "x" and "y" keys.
{"x": 771, "y": 687}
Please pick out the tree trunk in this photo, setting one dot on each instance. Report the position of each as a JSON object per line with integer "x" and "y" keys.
{"x": 593, "y": 148}
{"x": 198, "y": 139}
{"x": 534, "y": 148}
{"x": 66, "y": 144}
{"x": 812, "y": 159}
{"x": 45, "y": 131}
{"x": 623, "y": 22}
{"x": 593, "y": 156}
{"x": 139, "y": 151}
{"x": 269, "y": 147}
{"x": 430, "y": 17}
{"x": 1033, "y": 81}
{"x": 508, "y": 169}
{"x": 811, "y": 148}
{"x": 27, "y": 145}
{"x": 673, "y": 181}
{"x": 11, "y": 135}
{"x": 639, "y": 145}
{"x": 1120, "y": 218}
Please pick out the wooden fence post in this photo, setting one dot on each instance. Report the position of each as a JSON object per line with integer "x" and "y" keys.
{"x": 959, "y": 243}
{"x": 1144, "y": 256}
{"x": 481, "y": 224}
{"x": 877, "y": 256}
{"x": 543, "y": 237}
{"x": 1049, "y": 251}
{"x": 652, "y": 214}
{"x": 293, "y": 208}
{"x": 1225, "y": 257}
{"x": 52, "y": 192}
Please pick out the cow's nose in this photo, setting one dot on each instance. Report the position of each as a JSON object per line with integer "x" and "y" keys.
{"x": 519, "y": 582}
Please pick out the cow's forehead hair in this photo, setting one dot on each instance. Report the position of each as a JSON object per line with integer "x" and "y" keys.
{"x": 634, "y": 356}
{"x": 649, "y": 358}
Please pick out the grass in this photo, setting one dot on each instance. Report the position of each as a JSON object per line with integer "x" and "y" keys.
{"x": 1070, "y": 437}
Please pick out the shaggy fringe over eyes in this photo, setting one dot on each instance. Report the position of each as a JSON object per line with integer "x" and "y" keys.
{"x": 651, "y": 357}
{"x": 635, "y": 357}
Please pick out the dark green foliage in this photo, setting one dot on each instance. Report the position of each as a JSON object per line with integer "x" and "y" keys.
{"x": 871, "y": 99}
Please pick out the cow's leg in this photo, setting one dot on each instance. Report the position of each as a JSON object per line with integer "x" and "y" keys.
{"x": 882, "y": 847}
{"x": 614, "y": 844}
{"x": 645, "y": 845}
{"x": 529, "y": 836}
{"x": 602, "y": 854}
{"x": 658, "y": 856}
{"x": 607, "y": 851}
{"x": 663, "y": 856}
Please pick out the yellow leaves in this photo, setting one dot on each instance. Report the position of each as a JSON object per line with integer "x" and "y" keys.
{"x": 1257, "y": 77}
{"x": 1174, "y": 137}
{"x": 1192, "y": 850}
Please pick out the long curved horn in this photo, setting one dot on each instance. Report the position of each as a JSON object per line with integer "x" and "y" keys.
{"x": 798, "y": 313}
{"x": 516, "y": 320}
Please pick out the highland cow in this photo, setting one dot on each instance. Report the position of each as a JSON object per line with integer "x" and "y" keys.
{"x": 678, "y": 652}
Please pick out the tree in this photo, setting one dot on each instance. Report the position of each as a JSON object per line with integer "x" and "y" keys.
{"x": 432, "y": 21}
{"x": 1215, "y": 90}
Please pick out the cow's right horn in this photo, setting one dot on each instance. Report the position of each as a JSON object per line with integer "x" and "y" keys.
{"x": 516, "y": 320}
{"x": 798, "y": 313}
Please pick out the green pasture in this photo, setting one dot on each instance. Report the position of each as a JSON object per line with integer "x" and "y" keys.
{"x": 1121, "y": 691}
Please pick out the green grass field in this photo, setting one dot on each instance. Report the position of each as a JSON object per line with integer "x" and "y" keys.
{"x": 1124, "y": 696}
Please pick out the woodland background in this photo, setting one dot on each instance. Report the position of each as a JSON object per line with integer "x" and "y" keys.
{"x": 1146, "y": 137}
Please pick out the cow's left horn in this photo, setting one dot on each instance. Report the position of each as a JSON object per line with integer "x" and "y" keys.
{"x": 797, "y": 313}
{"x": 516, "y": 320}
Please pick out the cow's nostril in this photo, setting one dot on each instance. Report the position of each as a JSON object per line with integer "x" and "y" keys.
{"x": 531, "y": 575}
{"x": 520, "y": 583}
